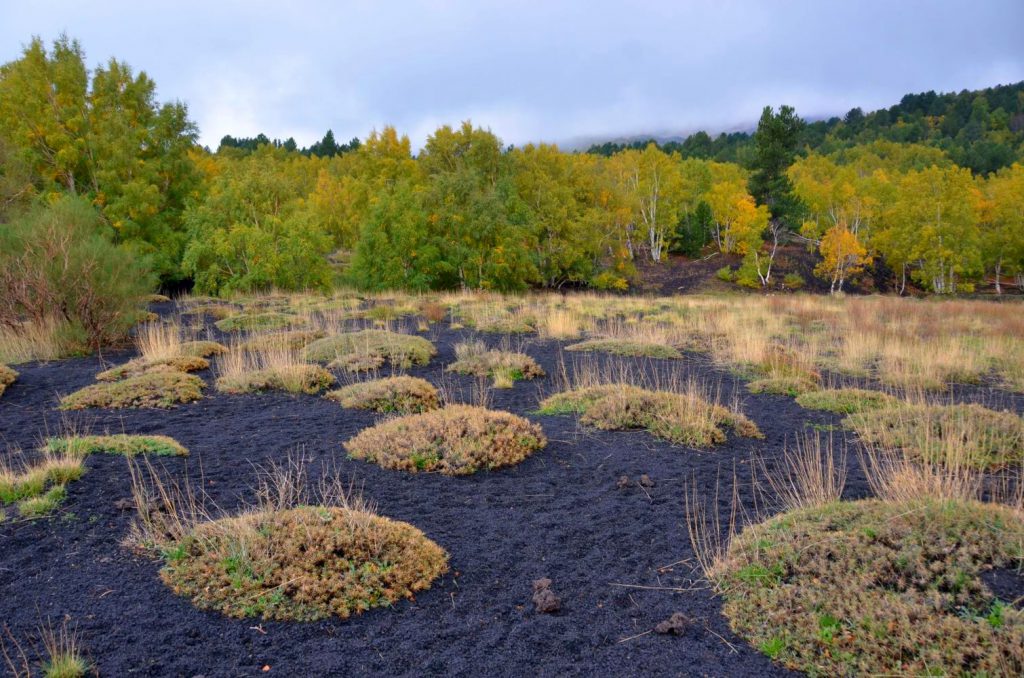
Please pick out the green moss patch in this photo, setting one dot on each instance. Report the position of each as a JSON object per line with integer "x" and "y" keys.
{"x": 790, "y": 386}
{"x": 161, "y": 389}
{"x": 402, "y": 394}
{"x": 126, "y": 445}
{"x": 302, "y": 564}
{"x": 627, "y": 348}
{"x": 872, "y": 588}
{"x": 455, "y": 440}
{"x": 253, "y": 322}
{"x": 311, "y": 379}
{"x": 681, "y": 418}
{"x": 846, "y": 400}
{"x": 369, "y": 349}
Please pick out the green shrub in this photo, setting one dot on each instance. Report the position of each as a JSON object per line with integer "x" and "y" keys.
{"x": 368, "y": 349}
{"x": 724, "y": 274}
{"x": 627, "y": 348}
{"x": 455, "y": 440}
{"x": 793, "y": 281}
{"x": 402, "y": 394}
{"x": 875, "y": 588}
{"x": 126, "y": 445}
{"x": 846, "y": 400}
{"x": 152, "y": 389}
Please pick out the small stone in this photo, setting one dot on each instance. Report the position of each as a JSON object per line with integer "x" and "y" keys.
{"x": 646, "y": 481}
{"x": 675, "y": 625}
{"x": 623, "y": 483}
{"x": 544, "y": 599}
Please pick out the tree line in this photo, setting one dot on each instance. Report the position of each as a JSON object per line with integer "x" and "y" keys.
{"x": 901, "y": 186}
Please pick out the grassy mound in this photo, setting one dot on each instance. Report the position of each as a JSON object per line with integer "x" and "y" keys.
{"x": 162, "y": 389}
{"x": 139, "y": 366}
{"x": 302, "y": 564}
{"x": 876, "y": 588}
{"x": 405, "y": 395}
{"x": 455, "y": 440}
{"x": 369, "y": 349}
{"x": 253, "y": 322}
{"x": 127, "y": 445}
{"x": 7, "y": 377}
{"x": 846, "y": 400}
{"x": 297, "y": 378}
{"x": 291, "y": 340}
{"x": 681, "y": 418}
{"x": 505, "y": 367}
{"x": 627, "y": 348}
{"x": 39, "y": 489}
{"x": 790, "y": 386}
{"x": 202, "y": 349}
{"x": 969, "y": 435}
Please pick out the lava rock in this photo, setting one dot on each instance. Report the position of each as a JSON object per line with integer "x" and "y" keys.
{"x": 544, "y": 599}
{"x": 675, "y": 625}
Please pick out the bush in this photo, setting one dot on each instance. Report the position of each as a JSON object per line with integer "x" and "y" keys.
{"x": 126, "y": 445}
{"x": 301, "y": 564}
{"x": 724, "y": 274}
{"x": 627, "y": 348}
{"x": 606, "y": 280}
{"x": 134, "y": 368}
{"x": 455, "y": 440}
{"x": 505, "y": 367}
{"x": 404, "y": 395}
{"x": 965, "y": 435}
{"x": 875, "y": 588}
{"x": 681, "y": 418}
{"x": 793, "y": 281}
{"x": 59, "y": 268}
{"x": 791, "y": 386}
{"x": 846, "y": 400}
{"x": 153, "y": 389}
{"x": 297, "y": 378}
{"x": 7, "y": 377}
{"x": 368, "y": 349}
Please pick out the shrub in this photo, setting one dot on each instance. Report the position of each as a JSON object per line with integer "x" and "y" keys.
{"x": 126, "y": 445}
{"x": 161, "y": 389}
{"x": 7, "y": 377}
{"x": 969, "y": 435}
{"x": 793, "y": 281}
{"x": 302, "y": 564}
{"x": 292, "y": 340}
{"x": 297, "y": 378}
{"x": 455, "y": 440}
{"x": 791, "y": 386}
{"x": 724, "y": 274}
{"x": 682, "y": 418}
{"x": 254, "y": 322}
{"x": 505, "y": 367}
{"x": 627, "y": 348}
{"x": 877, "y": 588}
{"x": 846, "y": 400}
{"x": 134, "y": 368}
{"x": 368, "y": 349}
{"x": 59, "y": 268}
{"x": 402, "y": 394}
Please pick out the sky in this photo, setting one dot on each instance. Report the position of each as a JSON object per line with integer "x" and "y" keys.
{"x": 564, "y": 72}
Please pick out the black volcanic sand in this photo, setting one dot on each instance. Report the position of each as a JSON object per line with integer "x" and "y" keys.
{"x": 558, "y": 515}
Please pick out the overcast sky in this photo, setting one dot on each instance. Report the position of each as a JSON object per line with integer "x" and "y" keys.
{"x": 531, "y": 71}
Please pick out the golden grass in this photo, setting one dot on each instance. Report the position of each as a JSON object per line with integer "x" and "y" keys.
{"x": 47, "y": 340}
{"x": 277, "y": 368}
{"x": 7, "y": 377}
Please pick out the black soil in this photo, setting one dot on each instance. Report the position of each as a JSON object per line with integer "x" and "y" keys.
{"x": 618, "y": 555}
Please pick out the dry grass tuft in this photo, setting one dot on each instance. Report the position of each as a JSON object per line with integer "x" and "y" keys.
{"x": 7, "y": 377}
{"x": 454, "y": 440}
{"x": 126, "y": 445}
{"x": 401, "y": 394}
{"x": 504, "y": 367}
{"x": 369, "y": 349}
{"x": 275, "y": 369}
{"x": 45, "y": 340}
{"x": 161, "y": 389}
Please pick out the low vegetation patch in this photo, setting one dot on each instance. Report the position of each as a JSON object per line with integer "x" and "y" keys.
{"x": 202, "y": 349}
{"x": 968, "y": 435}
{"x": 126, "y": 445}
{"x": 253, "y": 322}
{"x": 505, "y": 367}
{"x": 877, "y": 588}
{"x": 162, "y": 389}
{"x": 846, "y": 400}
{"x": 627, "y": 348}
{"x": 292, "y": 340}
{"x": 402, "y": 394}
{"x": 7, "y": 377}
{"x": 455, "y": 440}
{"x": 369, "y": 349}
{"x": 38, "y": 489}
{"x": 687, "y": 418}
{"x": 296, "y": 378}
{"x": 134, "y": 368}
{"x": 790, "y": 386}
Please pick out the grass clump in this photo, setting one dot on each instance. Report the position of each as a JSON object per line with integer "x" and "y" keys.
{"x": 505, "y": 367}
{"x": 455, "y": 440}
{"x": 790, "y": 386}
{"x": 369, "y": 349}
{"x": 202, "y": 349}
{"x": 43, "y": 504}
{"x": 685, "y": 418}
{"x": 846, "y": 400}
{"x": 878, "y": 588}
{"x": 161, "y": 389}
{"x": 252, "y": 322}
{"x": 134, "y": 368}
{"x": 38, "y": 488}
{"x": 292, "y": 340}
{"x": 311, "y": 379}
{"x": 123, "y": 444}
{"x": 7, "y": 377}
{"x": 402, "y": 394}
{"x": 624, "y": 347}
{"x": 968, "y": 435}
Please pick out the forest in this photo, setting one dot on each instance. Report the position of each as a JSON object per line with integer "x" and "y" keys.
{"x": 930, "y": 191}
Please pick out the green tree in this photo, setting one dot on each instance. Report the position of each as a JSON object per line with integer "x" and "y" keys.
{"x": 775, "y": 145}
